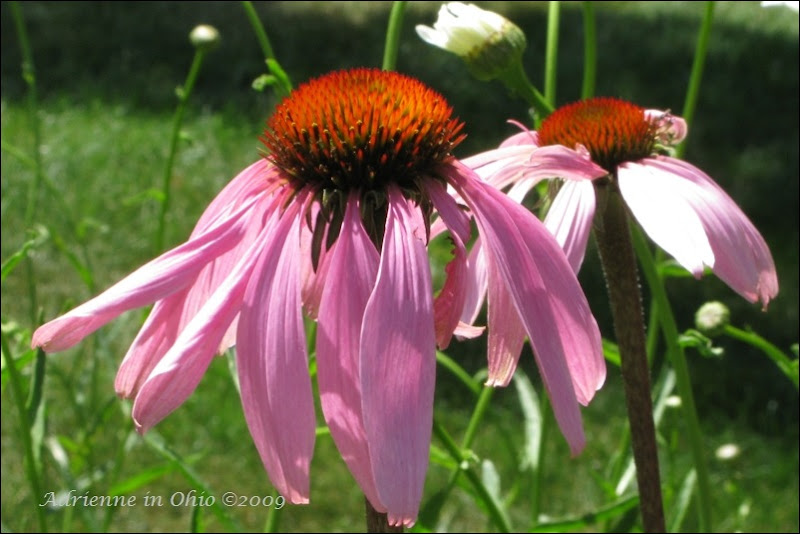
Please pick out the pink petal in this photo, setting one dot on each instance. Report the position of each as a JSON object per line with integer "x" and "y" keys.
{"x": 155, "y": 338}
{"x": 177, "y": 374}
{"x": 252, "y": 181}
{"x": 398, "y": 364}
{"x": 171, "y": 315}
{"x": 448, "y": 305}
{"x": 547, "y": 296}
{"x": 569, "y": 219}
{"x": 313, "y": 281}
{"x": 157, "y": 279}
{"x": 659, "y": 200}
{"x": 506, "y": 332}
{"x": 477, "y": 282}
{"x": 736, "y": 251}
{"x": 352, "y": 272}
{"x": 272, "y": 362}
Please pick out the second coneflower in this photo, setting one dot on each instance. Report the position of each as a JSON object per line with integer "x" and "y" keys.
{"x": 335, "y": 220}
{"x": 606, "y": 143}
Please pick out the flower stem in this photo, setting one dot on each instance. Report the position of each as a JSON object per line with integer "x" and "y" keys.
{"x": 589, "y": 51}
{"x": 32, "y": 470}
{"x": 493, "y": 508}
{"x": 284, "y": 84}
{"x": 518, "y": 83}
{"x": 551, "y": 52}
{"x": 183, "y": 98}
{"x": 393, "y": 35}
{"x": 377, "y": 521}
{"x": 787, "y": 365}
{"x": 29, "y": 76}
{"x": 693, "y": 90}
{"x": 678, "y": 360}
{"x": 619, "y": 264}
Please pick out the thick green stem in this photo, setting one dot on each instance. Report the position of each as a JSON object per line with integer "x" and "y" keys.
{"x": 619, "y": 264}
{"x": 589, "y": 51}
{"x": 551, "y": 53}
{"x": 693, "y": 90}
{"x": 183, "y": 98}
{"x": 678, "y": 360}
{"x": 517, "y": 81}
{"x": 393, "y": 35}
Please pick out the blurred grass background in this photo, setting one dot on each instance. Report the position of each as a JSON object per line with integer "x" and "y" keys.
{"x": 107, "y": 74}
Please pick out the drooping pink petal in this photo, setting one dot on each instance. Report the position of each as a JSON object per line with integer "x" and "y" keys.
{"x": 477, "y": 282}
{"x": 177, "y": 374}
{"x": 313, "y": 279}
{"x": 448, "y": 305}
{"x": 398, "y": 364}
{"x": 155, "y": 338}
{"x": 739, "y": 255}
{"x": 506, "y": 331}
{"x": 352, "y": 272}
{"x": 547, "y": 296}
{"x": 252, "y": 181}
{"x": 272, "y": 362}
{"x": 155, "y": 280}
{"x": 570, "y": 219}
{"x": 660, "y": 202}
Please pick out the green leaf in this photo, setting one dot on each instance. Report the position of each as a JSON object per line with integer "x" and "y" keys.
{"x": 582, "y": 522}
{"x": 611, "y": 352}
{"x": 682, "y": 502}
{"x": 140, "y": 479}
{"x": 532, "y": 421}
{"x": 12, "y": 261}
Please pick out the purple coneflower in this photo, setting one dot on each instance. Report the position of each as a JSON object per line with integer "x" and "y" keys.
{"x": 610, "y": 142}
{"x": 335, "y": 220}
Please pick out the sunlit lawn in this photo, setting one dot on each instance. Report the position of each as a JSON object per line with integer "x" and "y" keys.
{"x": 95, "y": 217}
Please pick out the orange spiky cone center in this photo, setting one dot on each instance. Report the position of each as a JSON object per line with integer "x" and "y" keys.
{"x": 612, "y": 130}
{"x": 361, "y": 129}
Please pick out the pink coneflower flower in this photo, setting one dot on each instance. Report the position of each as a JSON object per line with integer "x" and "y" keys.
{"x": 612, "y": 143}
{"x": 335, "y": 220}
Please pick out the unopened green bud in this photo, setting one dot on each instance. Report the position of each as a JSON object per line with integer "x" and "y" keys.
{"x": 489, "y": 43}
{"x": 711, "y": 318}
{"x": 204, "y": 37}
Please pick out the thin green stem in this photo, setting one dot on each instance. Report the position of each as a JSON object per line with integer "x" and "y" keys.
{"x": 261, "y": 34}
{"x": 496, "y": 514}
{"x": 25, "y": 431}
{"x": 183, "y": 98}
{"x": 481, "y": 406}
{"x": 393, "y": 35}
{"x": 551, "y": 52}
{"x": 784, "y": 363}
{"x": 589, "y": 51}
{"x": 678, "y": 360}
{"x": 619, "y": 264}
{"x": 29, "y": 76}
{"x": 284, "y": 85}
{"x": 518, "y": 83}
{"x": 701, "y": 51}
